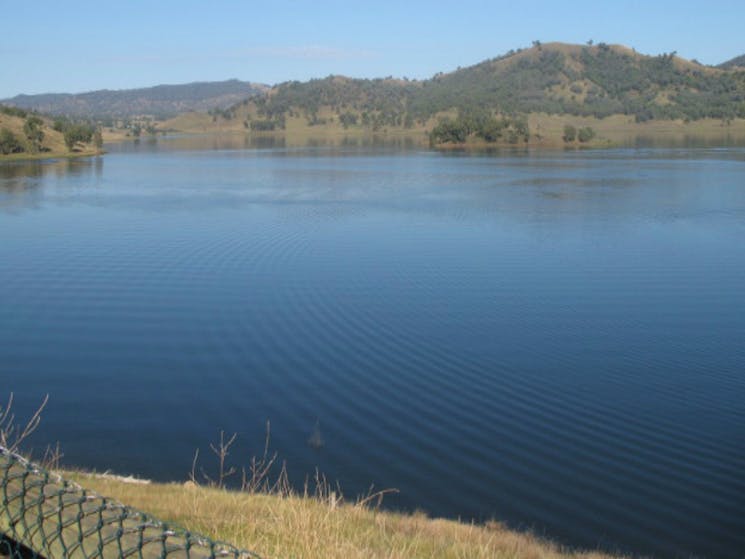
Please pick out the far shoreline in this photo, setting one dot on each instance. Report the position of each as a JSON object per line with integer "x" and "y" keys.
{"x": 49, "y": 156}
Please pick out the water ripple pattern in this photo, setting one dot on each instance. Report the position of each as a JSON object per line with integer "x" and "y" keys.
{"x": 555, "y": 340}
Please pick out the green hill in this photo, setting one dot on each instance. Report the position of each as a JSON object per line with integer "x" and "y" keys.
{"x": 599, "y": 80}
{"x": 162, "y": 101}
{"x": 27, "y": 135}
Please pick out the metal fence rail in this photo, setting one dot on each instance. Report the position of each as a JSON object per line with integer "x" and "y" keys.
{"x": 43, "y": 516}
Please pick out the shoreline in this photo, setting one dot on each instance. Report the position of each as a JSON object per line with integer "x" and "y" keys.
{"x": 21, "y": 157}
{"x": 322, "y": 524}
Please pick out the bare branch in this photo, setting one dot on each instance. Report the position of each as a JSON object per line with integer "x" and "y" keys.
{"x": 12, "y": 435}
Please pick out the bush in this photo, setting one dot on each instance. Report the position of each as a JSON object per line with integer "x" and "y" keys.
{"x": 75, "y": 133}
{"x": 9, "y": 143}
{"x": 570, "y": 133}
{"x": 585, "y": 134}
{"x": 32, "y": 128}
{"x": 348, "y": 119}
{"x": 13, "y": 111}
{"x": 449, "y": 131}
{"x": 263, "y": 125}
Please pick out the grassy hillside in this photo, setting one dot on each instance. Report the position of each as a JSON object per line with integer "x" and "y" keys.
{"x": 30, "y": 136}
{"x": 490, "y": 102}
{"x": 161, "y": 101}
{"x": 599, "y": 80}
{"x": 310, "y": 528}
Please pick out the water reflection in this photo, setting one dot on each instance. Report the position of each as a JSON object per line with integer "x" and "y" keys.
{"x": 21, "y": 181}
{"x": 58, "y": 167}
{"x": 687, "y": 141}
{"x": 239, "y": 141}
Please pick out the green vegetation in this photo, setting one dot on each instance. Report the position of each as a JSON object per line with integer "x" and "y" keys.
{"x": 9, "y": 143}
{"x": 267, "y": 124}
{"x": 26, "y": 134}
{"x": 585, "y": 134}
{"x": 13, "y": 111}
{"x": 570, "y": 133}
{"x": 77, "y": 133}
{"x": 33, "y": 129}
{"x": 481, "y": 125}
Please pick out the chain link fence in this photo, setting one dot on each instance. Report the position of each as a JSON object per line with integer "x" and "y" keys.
{"x": 43, "y": 516}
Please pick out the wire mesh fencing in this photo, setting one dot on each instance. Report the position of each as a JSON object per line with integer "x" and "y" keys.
{"x": 43, "y": 516}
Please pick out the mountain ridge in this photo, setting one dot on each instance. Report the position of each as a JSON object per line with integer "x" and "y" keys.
{"x": 597, "y": 80}
{"x": 592, "y": 80}
{"x": 160, "y": 101}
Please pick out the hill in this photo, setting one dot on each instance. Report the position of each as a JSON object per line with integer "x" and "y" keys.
{"x": 504, "y": 99}
{"x": 599, "y": 80}
{"x": 161, "y": 101}
{"x": 25, "y": 135}
{"x": 737, "y": 62}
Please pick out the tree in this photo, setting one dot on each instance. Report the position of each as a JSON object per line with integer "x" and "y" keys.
{"x": 570, "y": 133}
{"x": 348, "y": 119}
{"x": 449, "y": 131}
{"x": 9, "y": 143}
{"x": 60, "y": 124}
{"x": 98, "y": 138}
{"x": 585, "y": 134}
{"x": 32, "y": 128}
{"x": 75, "y": 133}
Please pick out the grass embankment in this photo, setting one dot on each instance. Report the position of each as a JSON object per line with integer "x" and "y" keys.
{"x": 297, "y": 527}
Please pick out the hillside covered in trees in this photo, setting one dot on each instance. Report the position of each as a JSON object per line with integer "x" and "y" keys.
{"x": 25, "y": 134}
{"x": 576, "y": 87}
{"x": 593, "y": 80}
{"x": 161, "y": 101}
{"x": 490, "y": 100}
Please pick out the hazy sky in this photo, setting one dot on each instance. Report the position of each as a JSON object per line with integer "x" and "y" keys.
{"x": 71, "y": 46}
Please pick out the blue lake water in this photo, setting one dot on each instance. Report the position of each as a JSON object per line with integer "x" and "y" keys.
{"x": 553, "y": 340}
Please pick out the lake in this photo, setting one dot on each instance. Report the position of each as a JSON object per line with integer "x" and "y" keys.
{"x": 555, "y": 340}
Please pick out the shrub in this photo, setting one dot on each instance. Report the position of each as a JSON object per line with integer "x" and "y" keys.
{"x": 585, "y": 134}
{"x": 32, "y": 128}
{"x": 570, "y": 133}
{"x": 9, "y": 143}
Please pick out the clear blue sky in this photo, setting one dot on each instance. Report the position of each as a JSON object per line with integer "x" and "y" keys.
{"x": 72, "y": 46}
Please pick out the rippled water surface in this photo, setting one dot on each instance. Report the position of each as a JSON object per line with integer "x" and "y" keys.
{"x": 555, "y": 340}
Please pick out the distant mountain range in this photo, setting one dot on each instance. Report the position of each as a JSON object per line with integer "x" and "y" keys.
{"x": 161, "y": 101}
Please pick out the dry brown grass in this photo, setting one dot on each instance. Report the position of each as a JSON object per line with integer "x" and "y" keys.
{"x": 53, "y": 144}
{"x": 298, "y": 527}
